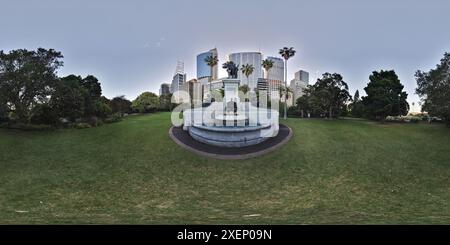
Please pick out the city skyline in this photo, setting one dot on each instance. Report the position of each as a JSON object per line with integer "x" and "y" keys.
{"x": 134, "y": 47}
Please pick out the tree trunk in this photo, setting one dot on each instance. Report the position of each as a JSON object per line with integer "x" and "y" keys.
{"x": 210, "y": 84}
{"x": 285, "y": 86}
{"x": 331, "y": 112}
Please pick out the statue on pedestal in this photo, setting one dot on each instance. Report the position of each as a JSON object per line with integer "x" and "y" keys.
{"x": 232, "y": 69}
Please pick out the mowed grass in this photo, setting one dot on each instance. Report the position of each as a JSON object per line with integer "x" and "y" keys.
{"x": 333, "y": 172}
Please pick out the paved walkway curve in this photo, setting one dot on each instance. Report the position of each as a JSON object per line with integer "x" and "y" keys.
{"x": 183, "y": 139}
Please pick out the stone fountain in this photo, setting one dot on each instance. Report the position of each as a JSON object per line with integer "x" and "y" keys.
{"x": 231, "y": 123}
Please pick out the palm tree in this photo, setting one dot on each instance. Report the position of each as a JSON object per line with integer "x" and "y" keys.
{"x": 247, "y": 70}
{"x": 244, "y": 88}
{"x": 267, "y": 65}
{"x": 211, "y": 61}
{"x": 286, "y": 53}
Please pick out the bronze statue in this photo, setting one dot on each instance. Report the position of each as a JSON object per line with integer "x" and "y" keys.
{"x": 231, "y": 68}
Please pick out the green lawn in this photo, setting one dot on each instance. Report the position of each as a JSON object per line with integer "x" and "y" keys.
{"x": 339, "y": 172}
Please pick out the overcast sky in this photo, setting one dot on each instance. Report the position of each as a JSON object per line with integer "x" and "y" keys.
{"x": 133, "y": 46}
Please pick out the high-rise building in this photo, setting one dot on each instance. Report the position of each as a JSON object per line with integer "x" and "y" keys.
{"x": 165, "y": 89}
{"x": 179, "y": 78}
{"x": 203, "y": 70}
{"x": 252, "y": 58}
{"x": 277, "y": 71}
{"x": 274, "y": 79}
{"x": 194, "y": 89}
{"x": 299, "y": 84}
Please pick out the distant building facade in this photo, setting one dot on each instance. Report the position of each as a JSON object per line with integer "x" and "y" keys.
{"x": 165, "y": 89}
{"x": 194, "y": 89}
{"x": 277, "y": 71}
{"x": 299, "y": 84}
{"x": 204, "y": 72}
{"x": 252, "y": 58}
{"x": 178, "y": 79}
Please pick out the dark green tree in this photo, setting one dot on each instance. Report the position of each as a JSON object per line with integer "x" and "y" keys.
{"x": 434, "y": 89}
{"x": 165, "y": 102}
{"x": 120, "y": 104}
{"x": 385, "y": 96}
{"x": 331, "y": 94}
{"x": 68, "y": 98}
{"x": 27, "y": 79}
{"x": 356, "y": 107}
{"x": 92, "y": 96}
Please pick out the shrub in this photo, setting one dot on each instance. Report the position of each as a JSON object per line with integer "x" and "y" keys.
{"x": 116, "y": 117}
{"x": 82, "y": 125}
{"x": 403, "y": 119}
{"x": 27, "y": 127}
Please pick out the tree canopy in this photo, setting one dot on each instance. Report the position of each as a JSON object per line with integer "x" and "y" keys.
{"x": 27, "y": 79}
{"x": 327, "y": 97}
{"x": 385, "y": 96}
{"x": 146, "y": 102}
{"x": 434, "y": 89}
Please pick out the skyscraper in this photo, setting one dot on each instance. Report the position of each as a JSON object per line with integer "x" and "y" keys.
{"x": 277, "y": 71}
{"x": 299, "y": 83}
{"x": 203, "y": 70}
{"x": 252, "y": 58}
{"x": 165, "y": 89}
{"x": 179, "y": 78}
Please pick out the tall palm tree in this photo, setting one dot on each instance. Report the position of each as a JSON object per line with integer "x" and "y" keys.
{"x": 211, "y": 61}
{"x": 285, "y": 91}
{"x": 267, "y": 65}
{"x": 247, "y": 70}
{"x": 286, "y": 53}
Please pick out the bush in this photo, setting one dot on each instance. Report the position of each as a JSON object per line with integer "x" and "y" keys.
{"x": 82, "y": 125}
{"x": 403, "y": 119}
{"x": 293, "y": 112}
{"x": 116, "y": 117}
{"x": 27, "y": 127}
{"x": 44, "y": 114}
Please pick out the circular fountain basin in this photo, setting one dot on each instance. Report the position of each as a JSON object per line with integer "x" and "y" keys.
{"x": 229, "y": 136}
{"x": 229, "y": 120}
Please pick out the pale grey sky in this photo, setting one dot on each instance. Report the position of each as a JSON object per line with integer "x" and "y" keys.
{"x": 133, "y": 46}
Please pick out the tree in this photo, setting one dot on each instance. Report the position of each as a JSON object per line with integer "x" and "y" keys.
{"x": 165, "y": 102}
{"x": 27, "y": 79}
{"x": 333, "y": 93}
{"x": 356, "y": 107}
{"x": 328, "y": 96}
{"x": 211, "y": 61}
{"x": 3, "y": 109}
{"x": 68, "y": 98}
{"x": 102, "y": 108}
{"x": 385, "y": 96}
{"x": 286, "y": 53}
{"x": 303, "y": 102}
{"x": 120, "y": 104}
{"x": 247, "y": 70}
{"x": 267, "y": 65}
{"x": 244, "y": 88}
{"x": 146, "y": 102}
{"x": 92, "y": 95}
{"x": 434, "y": 89}
{"x": 285, "y": 92}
